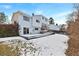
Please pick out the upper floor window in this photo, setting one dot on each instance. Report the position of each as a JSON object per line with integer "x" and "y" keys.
{"x": 26, "y": 18}
{"x": 37, "y": 21}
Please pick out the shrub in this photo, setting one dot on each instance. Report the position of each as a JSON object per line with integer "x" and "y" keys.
{"x": 7, "y": 30}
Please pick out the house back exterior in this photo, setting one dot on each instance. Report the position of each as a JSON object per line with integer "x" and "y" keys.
{"x": 30, "y": 24}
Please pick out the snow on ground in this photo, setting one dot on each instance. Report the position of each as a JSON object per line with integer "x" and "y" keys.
{"x": 55, "y": 45}
{"x": 11, "y": 38}
{"x": 52, "y": 45}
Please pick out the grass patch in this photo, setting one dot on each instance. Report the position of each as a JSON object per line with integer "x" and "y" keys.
{"x": 8, "y": 50}
{"x": 17, "y": 48}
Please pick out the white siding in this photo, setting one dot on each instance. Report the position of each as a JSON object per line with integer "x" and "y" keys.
{"x": 29, "y": 23}
{"x": 54, "y": 27}
{"x": 23, "y": 23}
{"x": 38, "y": 24}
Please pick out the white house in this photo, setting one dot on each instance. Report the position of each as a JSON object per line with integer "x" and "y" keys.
{"x": 30, "y": 24}
{"x": 39, "y": 23}
{"x": 54, "y": 27}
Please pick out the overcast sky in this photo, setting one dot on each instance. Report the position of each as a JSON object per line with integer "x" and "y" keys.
{"x": 58, "y": 11}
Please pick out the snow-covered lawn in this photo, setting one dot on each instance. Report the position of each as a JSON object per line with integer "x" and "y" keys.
{"x": 54, "y": 45}
{"x": 11, "y": 38}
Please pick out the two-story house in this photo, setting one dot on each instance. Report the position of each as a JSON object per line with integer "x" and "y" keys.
{"x": 30, "y": 24}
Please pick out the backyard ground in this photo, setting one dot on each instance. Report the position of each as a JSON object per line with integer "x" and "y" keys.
{"x": 52, "y": 45}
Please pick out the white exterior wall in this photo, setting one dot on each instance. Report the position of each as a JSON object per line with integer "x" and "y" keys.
{"x": 44, "y": 21}
{"x": 36, "y": 24}
{"x": 31, "y": 24}
{"x": 22, "y": 23}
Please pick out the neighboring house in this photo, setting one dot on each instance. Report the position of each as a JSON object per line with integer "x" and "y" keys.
{"x": 53, "y": 27}
{"x": 63, "y": 27}
{"x": 30, "y": 24}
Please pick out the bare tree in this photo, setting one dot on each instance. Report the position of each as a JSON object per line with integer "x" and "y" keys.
{"x": 73, "y": 15}
{"x": 3, "y": 17}
{"x": 73, "y": 31}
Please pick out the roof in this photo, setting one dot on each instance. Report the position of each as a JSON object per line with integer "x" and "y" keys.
{"x": 22, "y": 13}
{"x": 41, "y": 16}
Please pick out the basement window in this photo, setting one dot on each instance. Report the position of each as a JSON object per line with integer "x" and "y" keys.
{"x": 36, "y": 28}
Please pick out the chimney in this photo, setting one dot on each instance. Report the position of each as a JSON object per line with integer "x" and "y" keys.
{"x": 32, "y": 14}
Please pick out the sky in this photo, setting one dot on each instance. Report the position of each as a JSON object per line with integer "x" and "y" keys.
{"x": 58, "y": 11}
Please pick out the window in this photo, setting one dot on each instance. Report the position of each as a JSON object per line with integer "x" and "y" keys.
{"x": 26, "y": 30}
{"x": 36, "y": 28}
{"x": 37, "y": 21}
{"x": 26, "y": 18}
